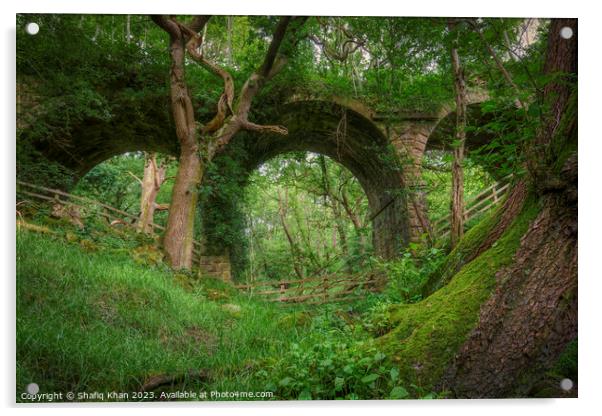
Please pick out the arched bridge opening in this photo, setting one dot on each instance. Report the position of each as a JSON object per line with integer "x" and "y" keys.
{"x": 337, "y": 132}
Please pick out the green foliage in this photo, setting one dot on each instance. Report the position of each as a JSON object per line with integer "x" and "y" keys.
{"x": 111, "y": 183}
{"x": 324, "y": 236}
{"x": 86, "y": 84}
{"x": 115, "y": 182}
{"x": 335, "y": 361}
{"x": 110, "y": 323}
{"x": 34, "y": 167}
{"x": 567, "y": 365}
{"x": 121, "y": 322}
{"x": 220, "y": 211}
{"x": 407, "y": 275}
{"x": 98, "y": 310}
{"x": 436, "y": 175}
{"x": 510, "y": 130}
{"x": 108, "y": 307}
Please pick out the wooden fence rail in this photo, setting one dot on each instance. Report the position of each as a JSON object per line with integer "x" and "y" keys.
{"x": 90, "y": 205}
{"x": 477, "y": 205}
{"x": 312, "y": 290}
{"x": 315, "y": 290}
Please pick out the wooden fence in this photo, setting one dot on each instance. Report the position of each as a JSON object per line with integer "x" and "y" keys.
{"x": 475, "y": 206}
{"x": 315, "y": 290}
{"x": 312, "y": 290}
{"x": 87, "y": 207}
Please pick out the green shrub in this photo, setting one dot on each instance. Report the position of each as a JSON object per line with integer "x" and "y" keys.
{"x": 407, "y": 275}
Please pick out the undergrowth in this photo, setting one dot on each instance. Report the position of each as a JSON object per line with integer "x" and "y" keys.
{"x": 98, "y": 310}
{"x": 93, "y": 317}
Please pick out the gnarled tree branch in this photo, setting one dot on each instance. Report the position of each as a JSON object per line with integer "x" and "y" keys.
{"x": 247, "y": 125}
{"x": 273, "y": 62}
{"x": 224, "y": 106}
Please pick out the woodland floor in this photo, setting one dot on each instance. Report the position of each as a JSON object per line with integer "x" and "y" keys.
{"x": 98, "y": 311}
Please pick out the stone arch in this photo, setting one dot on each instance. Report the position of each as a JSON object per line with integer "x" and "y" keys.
{"x": 444, "y": 128}
{"x": 348, "y": 138}
{"x": 383, "y": 151}
{"x": 144, "y": 125}
{"x": 443, "y": 131}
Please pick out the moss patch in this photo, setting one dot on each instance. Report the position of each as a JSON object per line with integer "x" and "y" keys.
{"x": 428, "y": 334}
{"x": 471, "y": 242}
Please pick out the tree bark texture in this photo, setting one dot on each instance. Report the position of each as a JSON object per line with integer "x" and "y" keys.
{"x": 457, "y": 191}
{"x": 532, "y": 314}
{"x": 179, "y": 233}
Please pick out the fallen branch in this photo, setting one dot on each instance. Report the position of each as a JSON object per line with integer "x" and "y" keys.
{"x": 166, "y": 379}
{"x": 33, "y": 227}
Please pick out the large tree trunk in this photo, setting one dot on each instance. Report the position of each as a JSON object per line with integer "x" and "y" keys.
{"x": 532, "y": 314}
{"x": 179, "y": 234}
{"x": 457, "y": 191}
{"x": 229, "y": 119}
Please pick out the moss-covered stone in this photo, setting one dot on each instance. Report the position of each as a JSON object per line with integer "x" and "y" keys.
{"x": 427, "y": 334}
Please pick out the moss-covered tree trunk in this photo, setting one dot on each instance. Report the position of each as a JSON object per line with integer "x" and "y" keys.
{"x": 532, "y": 314}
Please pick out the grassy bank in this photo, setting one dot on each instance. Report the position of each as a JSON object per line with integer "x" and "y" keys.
{"x": 100, "y": 321}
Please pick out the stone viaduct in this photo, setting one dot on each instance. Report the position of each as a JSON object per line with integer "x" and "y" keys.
{"x": 384, "y": 152}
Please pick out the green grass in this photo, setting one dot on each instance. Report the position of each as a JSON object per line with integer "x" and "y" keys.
{"x": 99, "y": 321}
{"x": 95, "y": 318}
